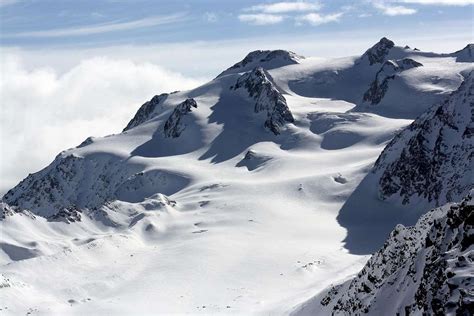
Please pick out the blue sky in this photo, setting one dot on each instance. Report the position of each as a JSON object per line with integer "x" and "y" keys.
{"x": 45, "y": 23}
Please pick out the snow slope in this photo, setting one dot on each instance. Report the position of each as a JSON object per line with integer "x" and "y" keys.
{"x": 221, "y": 199}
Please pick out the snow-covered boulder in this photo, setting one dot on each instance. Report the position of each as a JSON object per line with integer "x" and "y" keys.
{"x": 267, "y": 98}
{"x": 432, "y": 159}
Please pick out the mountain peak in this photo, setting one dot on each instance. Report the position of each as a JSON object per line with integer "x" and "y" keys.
{"x": 145, "y": 112}
{"x": 267, "y": 59}
{"x": 465, "y": 55}
{"x": 378, "y": 52}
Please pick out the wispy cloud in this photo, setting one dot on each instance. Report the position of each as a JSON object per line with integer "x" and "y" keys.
{"x": 284, "y": 7}
{"x": 7, "y": 2}
{"x": 298, "y": 11}
{"x": 440, "y": 2}
{"x": 104, "y": 27}
{"x": 318, "y": 19}
{"x": 393, "y": 10}
{"x": 261, "y": 18}
{"x": 210, "y": 17}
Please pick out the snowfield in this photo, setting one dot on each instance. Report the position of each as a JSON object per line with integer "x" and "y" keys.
{"x": 226, "y": 204}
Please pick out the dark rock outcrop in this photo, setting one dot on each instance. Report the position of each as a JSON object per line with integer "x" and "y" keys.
{"x": 389, "y": 70}
{"x": 173, "y": 126}
{"x": 378, "y": 53}
{"x": 267, "y": 99}
{"x": 426, "y": 269}
{"x": 145, "y": 112}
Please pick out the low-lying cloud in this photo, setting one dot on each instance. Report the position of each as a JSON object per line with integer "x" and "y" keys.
{"x": 43, "y": 112}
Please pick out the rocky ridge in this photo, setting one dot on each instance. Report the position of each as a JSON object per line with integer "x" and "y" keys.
{"x": 432, "y": 159}
{"x": 424, "y": 269}
{"x": 389, "y": 70}
{"x": 267, "y": 98}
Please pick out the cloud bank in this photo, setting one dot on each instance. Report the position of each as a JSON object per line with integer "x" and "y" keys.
{"x": 43, "y": 112}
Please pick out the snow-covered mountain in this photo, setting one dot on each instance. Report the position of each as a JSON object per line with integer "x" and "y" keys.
{"x": 227, "y": 197}
{"x": 426, "y": 269}
{"x": 432, "y": 159}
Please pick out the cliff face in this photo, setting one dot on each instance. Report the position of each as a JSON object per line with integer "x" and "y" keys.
{"x": 432, "y": 159}
{"x": 267, "y": 99}
{"x": 425, "y": 269}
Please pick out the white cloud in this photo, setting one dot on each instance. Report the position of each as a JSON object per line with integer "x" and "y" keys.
{"x": 393, "y": 10}
{"x": 102, "y": 28}
{"x": 261, "y": 18}
{"x": 318, "y": 19}
{"x": 210, "y": 17}
{"x": 440, "y": 2}
{"x": 284, "y": 7}
{"x": 43, "y": 113}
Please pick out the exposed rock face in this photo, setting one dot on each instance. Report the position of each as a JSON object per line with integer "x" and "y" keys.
{"x": 69, "y": 183}
{"x": 432, "y": 159}
{"x": 6, "y": 210}
{"x": 465, "y": 55}
{"x": 388, "y": 71}
{"x": 267, "y": 59}
{"x": 173, "y": 126}
{"x": 425, "y": 269}
{"x": 145, "y": 112}
{"x": 267, "y": 99}
{"x": 377, "y": 54}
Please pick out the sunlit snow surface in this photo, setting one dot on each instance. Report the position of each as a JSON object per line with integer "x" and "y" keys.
{"x": 243, "y": 237}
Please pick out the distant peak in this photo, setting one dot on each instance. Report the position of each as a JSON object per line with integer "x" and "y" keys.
{"x": 377, "y": 54}
{"x": 386, "y": 42}
{"x": 267, "y": 59}
{"x": 466, "y": 54}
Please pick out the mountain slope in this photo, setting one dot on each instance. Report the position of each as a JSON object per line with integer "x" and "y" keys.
{"x": 424, "y": 269}
{"x": 233, "y": 188}
{"x": 433, "y": 158}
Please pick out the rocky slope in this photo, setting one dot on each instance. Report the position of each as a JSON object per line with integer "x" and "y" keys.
{"x": 465, "y": 55}
{"x": 174, "y": 125}
{"x": 388, "y": 72}
{"x": 432, "y": 160}
{"x": 267, "y": 98}
{"x": 425, "y": 269}
{"x": 233, "y": 188}
{"x": 146, "y": 111}
{"x": 378, "y": 53}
